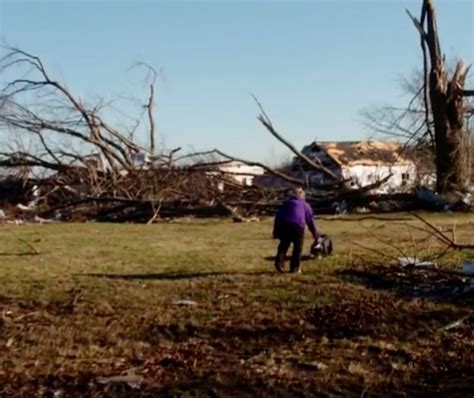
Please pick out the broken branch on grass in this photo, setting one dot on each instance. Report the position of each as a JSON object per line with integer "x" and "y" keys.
{"x": 156, "y": 214}
{"x": 32, "y": 248}
{"x": 431, "y": 231}
{"x": 440, "y": 235}
{"x": 31, "y": 252}
{"x": 379, "y": 239}
{"x": 379, "y": 252}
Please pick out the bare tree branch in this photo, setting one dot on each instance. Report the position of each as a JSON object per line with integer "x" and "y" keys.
{"x": 440, "y": 235}
{"x": 315, "y": 164}
{"x": 283, "y": 176}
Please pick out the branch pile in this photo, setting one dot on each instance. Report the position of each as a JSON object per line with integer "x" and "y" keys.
{"x": 143, "y": 195}
{"x": 70, "y": 163}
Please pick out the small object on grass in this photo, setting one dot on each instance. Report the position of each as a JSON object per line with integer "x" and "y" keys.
{"x": 313, "y": 365}
{"x": 321, "y": 247}
{"x": 58, "y": 394}
{"x": 238, "y": 219}
{"x": 41, "y": 220}
{"x": 253, "y": 219}
{"x": 414, "y": 262}
{"x": 454, "y": 325}
{"x": 459, "y": 323}
{"x": 133, "y": 381}
{"x": 185, "y": 302}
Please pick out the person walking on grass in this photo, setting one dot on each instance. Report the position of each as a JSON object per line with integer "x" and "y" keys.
{"x": 290, "y": 222}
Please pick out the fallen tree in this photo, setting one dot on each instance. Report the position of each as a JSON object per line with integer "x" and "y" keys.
{"x": 70, "y": 163}
{"x": 73, "y": 164}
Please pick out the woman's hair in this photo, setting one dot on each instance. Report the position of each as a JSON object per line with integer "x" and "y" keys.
{"x": 298, "y": 191}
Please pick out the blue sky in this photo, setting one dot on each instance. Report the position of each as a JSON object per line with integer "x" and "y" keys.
{"x": 313, "y": 64}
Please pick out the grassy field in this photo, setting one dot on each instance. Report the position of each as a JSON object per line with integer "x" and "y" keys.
{"x": 101, "y": 300}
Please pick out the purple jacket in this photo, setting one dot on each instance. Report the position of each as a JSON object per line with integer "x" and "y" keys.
{"x": 297, "y": 211}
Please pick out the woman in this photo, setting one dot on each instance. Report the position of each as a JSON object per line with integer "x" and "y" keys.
{"x": 290, "y": 221}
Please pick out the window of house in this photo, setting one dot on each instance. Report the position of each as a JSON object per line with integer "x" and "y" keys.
{"x": 405, "y": 178}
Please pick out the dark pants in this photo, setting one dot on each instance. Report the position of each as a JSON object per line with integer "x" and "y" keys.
{"x": 289, "y": 233}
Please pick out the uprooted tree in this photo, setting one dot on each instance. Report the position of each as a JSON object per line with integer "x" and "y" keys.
{"x": 83, "y": 162}
{"x": 87, "y": 168}
{"x": 52, "y": 136}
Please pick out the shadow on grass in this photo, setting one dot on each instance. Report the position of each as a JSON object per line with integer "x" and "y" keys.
{"x": 19, "y": 254}
{"x": 433, "y": 284}
{"x": 173, "y": 276}
{"x": 288, "y": 258}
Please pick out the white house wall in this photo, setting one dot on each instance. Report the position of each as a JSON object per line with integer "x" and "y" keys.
{"x": 403, "y": 176}
{"x": 243, "y": 173}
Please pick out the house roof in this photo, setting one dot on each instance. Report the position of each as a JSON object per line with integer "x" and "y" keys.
{"x": 365, "y": 152}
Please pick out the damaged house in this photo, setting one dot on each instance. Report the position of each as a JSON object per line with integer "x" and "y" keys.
{"x": 242, "y": 173}
{"x": 363, "y": 163}
{"x": 360, "y": 163}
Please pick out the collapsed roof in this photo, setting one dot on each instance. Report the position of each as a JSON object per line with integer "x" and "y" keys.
{"x": 350, "y": 153}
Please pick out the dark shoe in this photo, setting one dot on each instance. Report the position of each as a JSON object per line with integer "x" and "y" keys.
{"x": 295, "y": 270}
{"x": 279, "y": 266}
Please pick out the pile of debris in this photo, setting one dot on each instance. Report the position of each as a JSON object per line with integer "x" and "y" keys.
{"x": 149, "y": 195}
{"x": 135, "y": 196}
{"x": 87, "y": 169}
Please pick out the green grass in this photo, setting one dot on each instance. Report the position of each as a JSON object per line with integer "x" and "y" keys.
{"x": 99, "y": 300}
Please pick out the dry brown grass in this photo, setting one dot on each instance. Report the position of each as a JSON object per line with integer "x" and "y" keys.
{"x": 99, "y": 300}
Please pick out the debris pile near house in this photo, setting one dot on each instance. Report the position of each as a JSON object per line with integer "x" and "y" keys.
{"x": 205, "y": 184}
{"x": 134, "y": 196}
{"x": 91, "y": 170}
{"x": 165, "y": 193}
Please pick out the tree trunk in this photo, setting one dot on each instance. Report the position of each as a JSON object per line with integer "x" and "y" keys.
{"x": 446, "y": 97}
{"x": 447, "y": 117}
